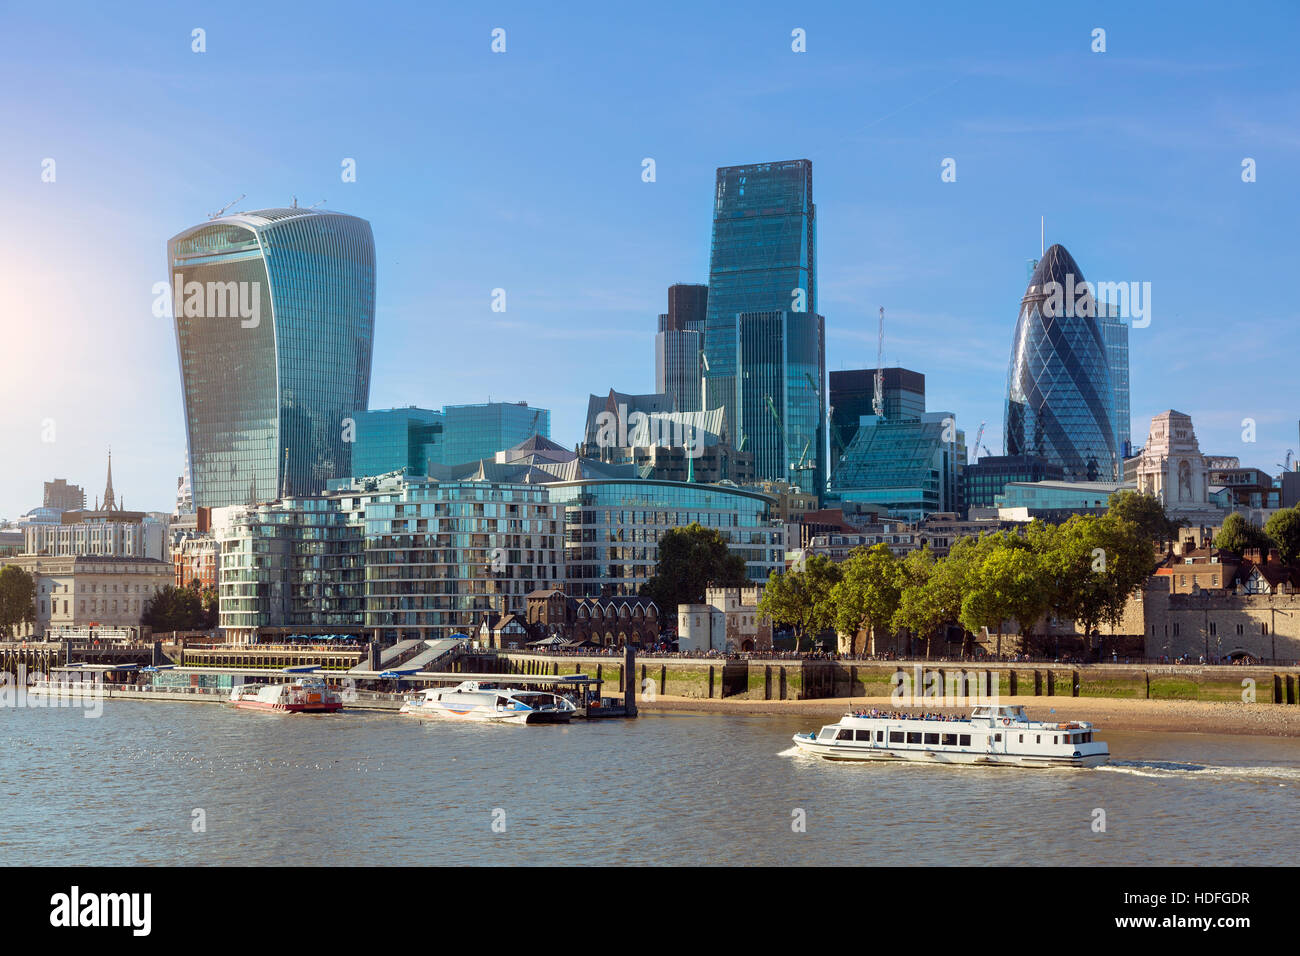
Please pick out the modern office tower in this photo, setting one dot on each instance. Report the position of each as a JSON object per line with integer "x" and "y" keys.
{"x": 59, "y": 494}
{"x": 396, "y": 439}
{"x": 780, "y": 413}
{"x": 1114, "y": 331}
{"x": 982, "y": 481}
{"x": 905, "y": 467}
{"x": 275, "y": 317}
{"x": 763, "y": 259}
{"x": 852, "y": 391}
{"x": 473, "y": 432}
{"x": 678, "y": 370}
{"x": 614, "y": 527}
{"x": 1060, "y": 395}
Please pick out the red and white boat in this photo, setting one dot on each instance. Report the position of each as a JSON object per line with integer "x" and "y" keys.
{"x": 306, "y": 695}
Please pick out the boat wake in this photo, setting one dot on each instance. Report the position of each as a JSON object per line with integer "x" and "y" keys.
{"x": 1170, "y": 770}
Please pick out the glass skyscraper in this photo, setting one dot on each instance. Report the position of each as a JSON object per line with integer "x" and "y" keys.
{"x": 678, "y": 370}
{"x": 274, "y": 313}
{"x": 763, "y": 259}
{"x": 1114, "y": 330}
{"x": 396, "y": 439}
{"x": 780, "y": 419}
{"x": 1060, "y": 395}
{"x": 474, "y": 432}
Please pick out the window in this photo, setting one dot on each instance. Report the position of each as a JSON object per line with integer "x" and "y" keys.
{"x": 965, "y": 740}
{"x": 997, "y": 738}
{"x": 844, "y": 735}
{"x": 864, "y": 735}
{"x": 1239, "y": 629}
{"x": 895, "y": 737}
{"x": 880, "y": 736}
{"x": 950, "y": 740}
{"x": 1022, "y": 739}
{"x": 913, "y": 737}
{"x": 1038, "y": 738}
{"x": 931, "y": 738}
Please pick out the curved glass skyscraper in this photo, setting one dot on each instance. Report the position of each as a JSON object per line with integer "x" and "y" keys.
{"x": 275, "y": 319}
{"x": 1060, "y": 397}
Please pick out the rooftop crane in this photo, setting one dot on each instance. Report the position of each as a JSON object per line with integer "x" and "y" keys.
{"x": 222, "y": 211}
{"x": 978, "y": 435}
{"x": 878, "y": 398}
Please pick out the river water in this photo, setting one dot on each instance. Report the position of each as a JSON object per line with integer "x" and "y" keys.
{"x": 175, "y": 783}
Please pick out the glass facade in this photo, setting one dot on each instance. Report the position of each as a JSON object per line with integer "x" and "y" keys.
{"x": 1114, "y": 330}
{"x": 678, "y": 370}
{"x": 473, "y": 432}
{"x": 396, "y": 439}
{"x": 1060, "y": 396}
{"x": 906, "y": 468}
{"x": 613, "y": 528}
{"x": 274, "y": 316}
{"x": 984, "y": 480}
{"x": 852, "y": 392}
{"x": 763, "y": 249}
{"x": 440, "y": 556}
{"x": 780, "y": 364}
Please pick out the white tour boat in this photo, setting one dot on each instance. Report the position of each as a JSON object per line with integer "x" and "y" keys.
{"x": 306, "y": 695}
{"x": 1001, "y": 736}
{"x": 487, "y": 701}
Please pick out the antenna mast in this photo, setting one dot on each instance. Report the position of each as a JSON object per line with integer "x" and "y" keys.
{"x": 878, "y": 398}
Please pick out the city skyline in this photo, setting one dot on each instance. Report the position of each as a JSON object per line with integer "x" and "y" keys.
{"x": 1158, "y": 197}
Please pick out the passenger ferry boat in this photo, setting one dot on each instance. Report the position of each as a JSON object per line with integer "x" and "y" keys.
{"x": 487, "y": 701}
{"x": 1001, "y": 736}
{"x": 306, "y": 695}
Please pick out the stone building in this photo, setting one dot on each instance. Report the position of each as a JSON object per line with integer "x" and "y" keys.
{"x": 612, "y": 621}
{"x": 74, "y": 591}
{"x": 728, "y": 621}
{"x": 1172, "y": 469}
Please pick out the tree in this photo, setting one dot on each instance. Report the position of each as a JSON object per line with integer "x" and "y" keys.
{"x": 867, "y": 594}
{"x": 17, "y": 598}
{"x": 175, "y": 609}
{"x": 1147, "y": 513}
{"x": 1284, "y": 529}
{"x": 920, "y": 606}
{"x": 690, "y": 560}
{"x": 1092, "y": 567}
{"x": 801, "y": 597}
{"x": 1007, "y": 582}
{"x": 1238, "y": 534}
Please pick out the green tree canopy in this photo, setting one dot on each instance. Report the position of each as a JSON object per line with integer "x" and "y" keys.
{"x": 17, "y": 598}
{"x": 868, "y": 593}
{"x": 1147, "y": 513}
{"x": 691, "y": 559}
{"x": 1008, "y": 581}
{"x": 176, "y": 609}
{"x": 1284, "y": 528}
{"x": 1238, "y": 534}
{"x": 801, "y": 597}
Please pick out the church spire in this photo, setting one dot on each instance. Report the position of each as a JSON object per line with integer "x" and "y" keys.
{"x": 109, "y": 504}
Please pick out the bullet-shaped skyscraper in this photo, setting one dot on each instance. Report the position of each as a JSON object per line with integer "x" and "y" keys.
{"x": 274, "y": 313}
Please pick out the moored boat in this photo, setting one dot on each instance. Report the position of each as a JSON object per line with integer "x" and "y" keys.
{"x": 305, "y": 695}
{"x": 490, "y": 702}
{"x": 991, "y": 735}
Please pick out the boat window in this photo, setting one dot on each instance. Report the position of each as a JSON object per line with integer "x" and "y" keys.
{"x": 931, "y": 738}
{"x": 1022, "y": 739}
{"x": 913, "y": 737}
{"x": 997, "y": 738}
{"x": 1055, "y": 739}
{"x": 880, "y": 736}
{"x": 844, "y": 734}
{"x": 864, "y": 735}
{"x": 965, "y": 740}
{"x": 895, "y": 736}
{"x": 950, "y": 740}
{"x": 828, "y": 733}
{"x": 1038, "y": 738}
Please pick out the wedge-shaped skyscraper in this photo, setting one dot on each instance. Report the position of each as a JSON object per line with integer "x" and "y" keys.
{"x": 1060, "y": 397}
{"x": 275, "y": 317}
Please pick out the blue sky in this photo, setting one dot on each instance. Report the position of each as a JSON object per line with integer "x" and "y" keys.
{"x": 522, "y": 171}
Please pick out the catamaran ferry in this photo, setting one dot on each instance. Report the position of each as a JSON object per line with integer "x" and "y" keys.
{"x": 305, "y": 695}
{"x": 1002, "y": 736}
{"x": 487, "y": 701}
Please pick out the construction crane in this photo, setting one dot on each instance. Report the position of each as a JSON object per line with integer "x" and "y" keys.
{"x": 978, "y": 435}
{"x": 1286, "y": 465}
{"x": 878, "y": 398}
{"x": 803, "y": 464}
{"x": 222, "y": 211}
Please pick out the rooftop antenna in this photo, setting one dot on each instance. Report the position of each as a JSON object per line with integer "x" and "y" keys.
{"x": 315, "y": 204}
{"x": 221, "y": 212}
{"x": 878, "y": 398}
{"x": 294, "y": 203}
